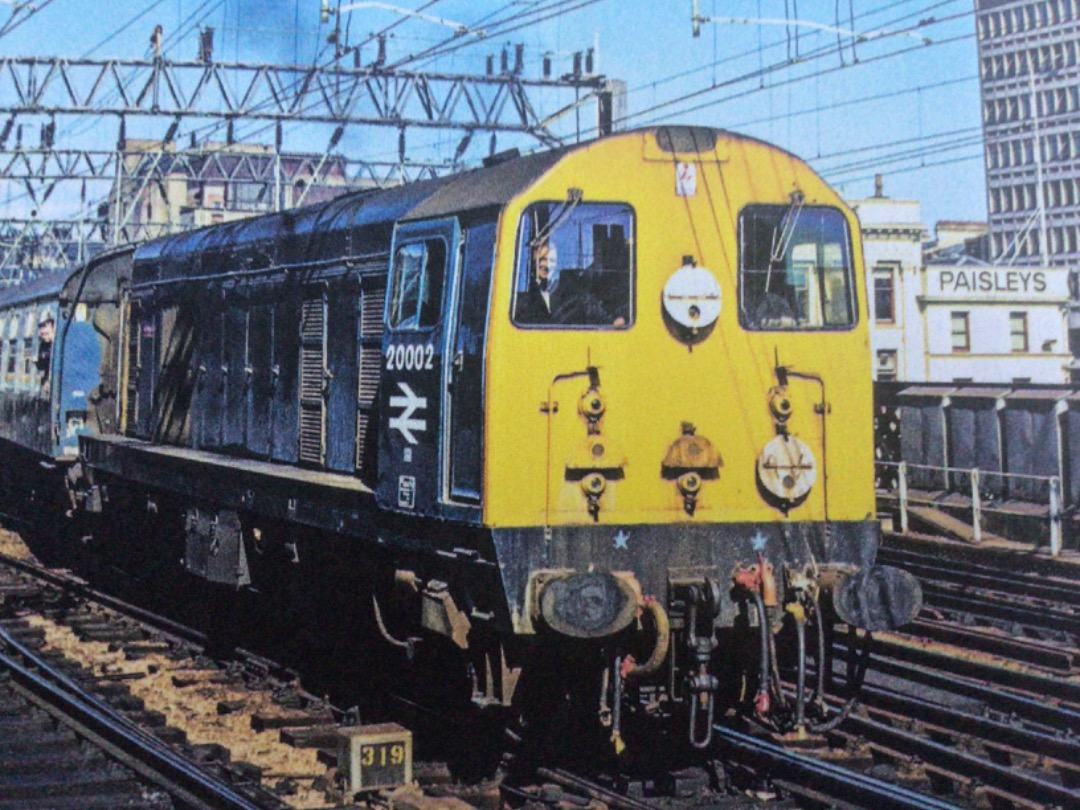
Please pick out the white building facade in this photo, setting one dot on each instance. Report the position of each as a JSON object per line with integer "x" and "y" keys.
{"x": 958, "y": 322}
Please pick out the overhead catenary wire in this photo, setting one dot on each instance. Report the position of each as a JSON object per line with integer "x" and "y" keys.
{"x": 880, "y": 161}
{"x": 855, "y": 101}
{"x": 549, "y": 10}
{"x": 208, "y": 130}
{"x": 14, "y": 21}
{"x": 516, "y": 21}
{"x": 760, "y": 49}
{"x": 543, "y": 13}
{"x": 924, "y": 140}
{"x": 782, "y": 65}
{"x": 921, "y": 166}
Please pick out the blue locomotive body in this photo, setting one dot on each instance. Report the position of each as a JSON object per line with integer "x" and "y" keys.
{"x": 351, "y": 395}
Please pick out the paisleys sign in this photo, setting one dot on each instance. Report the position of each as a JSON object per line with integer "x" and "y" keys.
{"x": 992, "y": 281}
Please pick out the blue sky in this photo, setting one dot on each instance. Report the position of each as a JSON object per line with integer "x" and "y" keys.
{"x": 903, "y": 101}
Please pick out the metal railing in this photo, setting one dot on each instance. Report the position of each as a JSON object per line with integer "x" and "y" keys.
{"x": 988, "y": 492}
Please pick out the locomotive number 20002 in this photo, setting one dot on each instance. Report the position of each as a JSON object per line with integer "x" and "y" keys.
{"x": 410, "y": 358}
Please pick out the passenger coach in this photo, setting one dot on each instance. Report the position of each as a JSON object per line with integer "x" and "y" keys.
{"x": 57, "y": 379}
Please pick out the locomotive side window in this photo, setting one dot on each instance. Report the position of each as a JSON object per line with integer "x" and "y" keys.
{"x": 795, "y": 268}
{"x": 575, "y": 266}
{"x": 419, "y": 272}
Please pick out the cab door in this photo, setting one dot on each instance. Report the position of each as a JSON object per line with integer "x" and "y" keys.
{"x": 464, "y": 425}
{"x": 414, "y": 344}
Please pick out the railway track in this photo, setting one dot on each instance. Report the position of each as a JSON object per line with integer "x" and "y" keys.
{"x": 976, "y": 704}
{"x": 979, "y": 699}
{"x": 167, "y": 700}
{"x": 64, "y": 743}
{"x": 939, "y": 727}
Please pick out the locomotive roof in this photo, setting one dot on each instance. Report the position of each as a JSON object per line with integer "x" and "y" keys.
{"x": 323, "y": 231}
{"x": 361, "y": 223}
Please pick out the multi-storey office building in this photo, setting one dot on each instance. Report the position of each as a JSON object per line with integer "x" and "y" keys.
{"x": 1030, "y": 79}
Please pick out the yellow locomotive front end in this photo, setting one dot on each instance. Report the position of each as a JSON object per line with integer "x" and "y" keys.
{"x": 679, "y": 405}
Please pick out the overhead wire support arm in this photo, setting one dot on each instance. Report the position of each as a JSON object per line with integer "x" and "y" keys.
{"x": 134, "y": 188}
{"x": 863, "y": 36}
{"x": 326, "y": 10}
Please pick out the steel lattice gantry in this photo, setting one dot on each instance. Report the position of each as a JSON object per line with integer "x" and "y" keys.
{"x": 39, "y": 91}
{"x": 281, "y": 93}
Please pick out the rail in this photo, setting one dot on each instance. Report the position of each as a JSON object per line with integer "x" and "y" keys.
{"x": 987, "y": 491}
{"x": 826, "y": 777}
{"x": 135, "y": 748}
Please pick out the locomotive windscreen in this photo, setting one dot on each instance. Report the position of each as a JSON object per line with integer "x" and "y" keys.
{"x": 795, "y": 268}
{"x": 575, "y": 266}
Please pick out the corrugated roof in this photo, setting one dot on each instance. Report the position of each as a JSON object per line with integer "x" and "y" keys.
{"x": 1044, "y": 394}
{"x": 926, "y": 391}
{"x": 975, "y": 392}
{"x": 42, "y": 287}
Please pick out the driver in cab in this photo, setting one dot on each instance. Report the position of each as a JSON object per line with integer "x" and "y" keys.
{"x": 536, "y": 305}
{"x": 548, "y": 302}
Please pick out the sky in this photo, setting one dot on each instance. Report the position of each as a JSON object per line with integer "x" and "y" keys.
{"x": 855, "y": 87}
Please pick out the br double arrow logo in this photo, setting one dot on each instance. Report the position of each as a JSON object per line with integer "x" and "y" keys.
{"x": 404, "y": 422}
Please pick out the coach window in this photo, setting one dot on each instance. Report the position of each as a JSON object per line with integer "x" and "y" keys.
{"x": 795, "y": 268}
{"x": 12, "y": 360}
{"x": 3, "y": 353}
{"x": 28, "y": 355}
{"x": 575, "y": 266}
{"x": 419, "y": 272}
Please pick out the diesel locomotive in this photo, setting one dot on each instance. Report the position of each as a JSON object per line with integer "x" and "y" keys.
{"x": 596, "y": 420}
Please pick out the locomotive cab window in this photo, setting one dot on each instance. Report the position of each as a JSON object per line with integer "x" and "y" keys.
{"x": 575, "y": 266}
{"x": 419, "y": 272}
{"x": 795, "y": 268}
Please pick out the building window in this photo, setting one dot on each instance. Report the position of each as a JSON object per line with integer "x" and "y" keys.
{"x": 884, "y": 296}
{"x": 961, "y": 332}
{"x": 1018, "y": 331}
{"x": 886, "y": 365}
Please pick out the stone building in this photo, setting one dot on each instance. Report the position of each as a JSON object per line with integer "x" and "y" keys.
{"x": 957, "y": 319}
{"x": 164, "y": 190}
